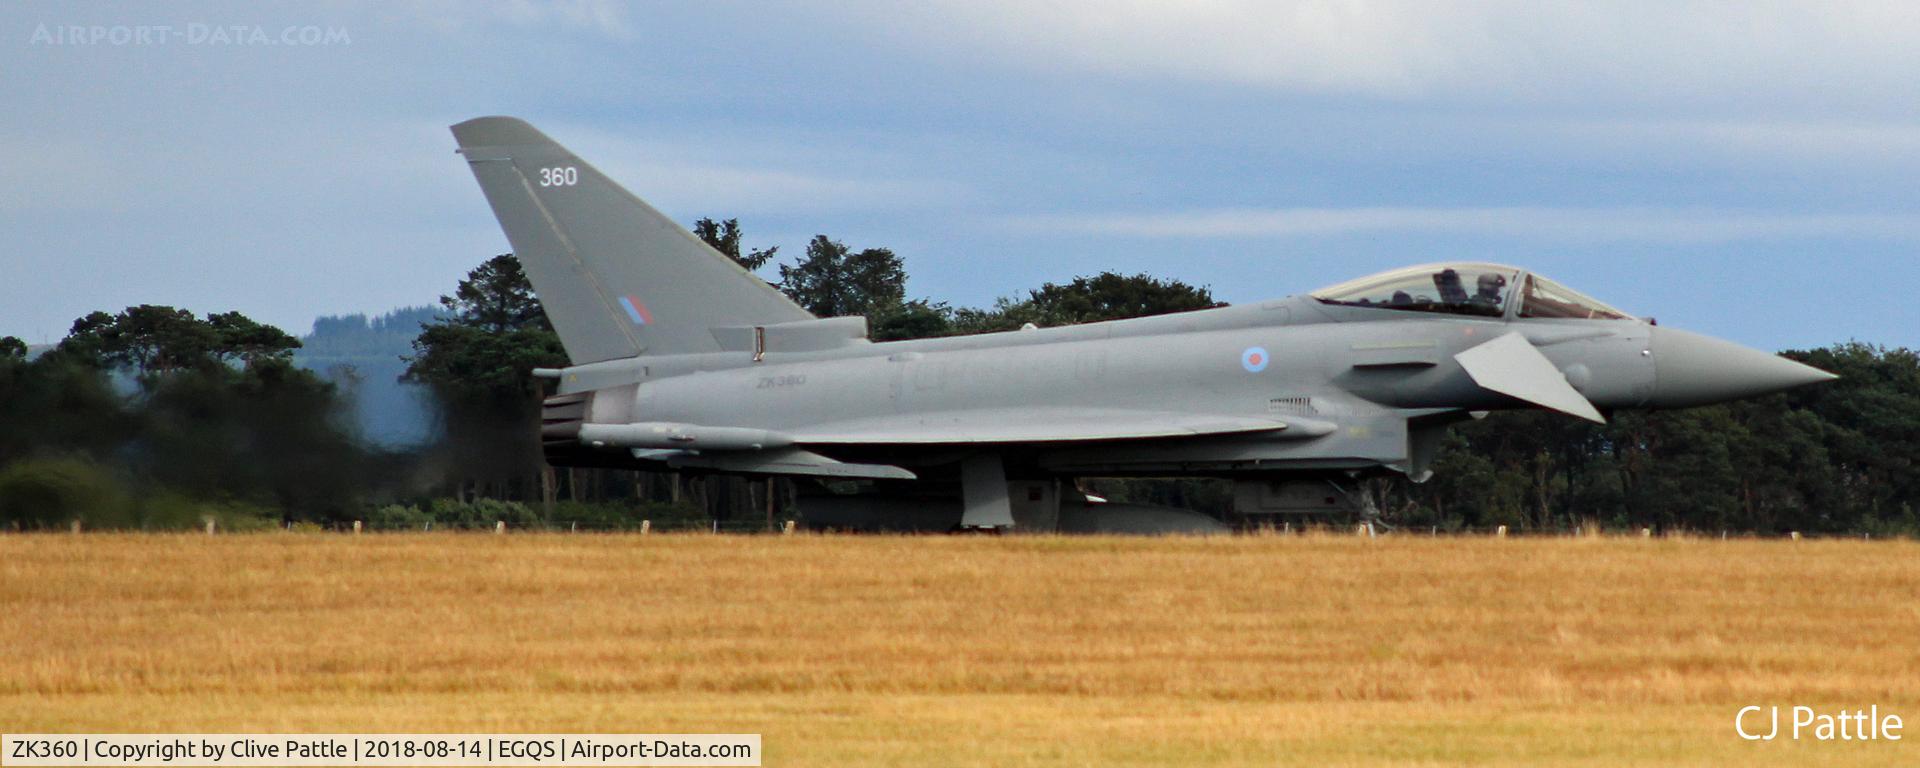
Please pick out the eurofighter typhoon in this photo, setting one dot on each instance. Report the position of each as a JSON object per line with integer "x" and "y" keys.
{"x": 682, "y": 360}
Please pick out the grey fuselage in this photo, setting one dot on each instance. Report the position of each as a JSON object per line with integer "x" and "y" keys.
{"x": 1370, "y": 372}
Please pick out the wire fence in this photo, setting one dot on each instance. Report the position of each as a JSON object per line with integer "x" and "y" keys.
{"x": 1561, "y": 532}
{"x": 787, "y": 525}
{"x": 736, "y": 526}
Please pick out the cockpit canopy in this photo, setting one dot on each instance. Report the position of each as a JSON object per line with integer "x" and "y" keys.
{"x": 1460, "y": 289}
{"x": 1546, "y": 298}
{"x": 1467, "y": 288}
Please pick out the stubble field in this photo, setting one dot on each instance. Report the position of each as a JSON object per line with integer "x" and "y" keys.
{"x": 848, "y": 651}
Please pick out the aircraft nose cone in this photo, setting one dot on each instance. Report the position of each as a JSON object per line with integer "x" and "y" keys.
{"x": 1690, "y": 369}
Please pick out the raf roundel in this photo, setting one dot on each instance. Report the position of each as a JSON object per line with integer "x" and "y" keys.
{"x": 1254, "y": 359}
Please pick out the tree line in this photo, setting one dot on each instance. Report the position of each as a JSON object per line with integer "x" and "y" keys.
{"x": 156, "y": 418}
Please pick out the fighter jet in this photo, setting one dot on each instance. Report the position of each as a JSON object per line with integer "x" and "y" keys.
{"x": 684, "y": 361}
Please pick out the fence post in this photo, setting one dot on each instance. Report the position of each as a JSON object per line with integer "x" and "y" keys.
{"x": 787, "y": 530}
{"x": 646, "y": 527}
{"x": 499, "y": 526}
{"x": 75, "y": 528}
{"x": 770, "y": 490}
{"x": 1500, "y": 532}
{"x": 209, "y": 521}
{"x": 356, "y": 527}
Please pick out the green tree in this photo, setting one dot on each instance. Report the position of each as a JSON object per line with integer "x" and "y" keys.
{"x": 1469, "y": 488}
{"x": 478, "y": 360}
{"x": 724, "y": 236}
{"x": 148, "y": 339}
{"x": 268, "y": 434}
{"x": 52, "y": 492}
{"x": 1110, "y": 296}
{"x": 1106, "y": 296}
{"x": 154, "y": 340}
{"x": 834, "y": 281}
{"x": 221, "y": 415}
{"x": 61, "y": 404}
{"x": 1871, "y": 429}
{"x": 916, "y": 319}
{"x": 490, "y": 337}
{"x": 239, "y": 339}
{"x": 496, "y": 297}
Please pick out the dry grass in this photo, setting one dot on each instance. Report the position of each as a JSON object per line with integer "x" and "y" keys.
{"x": 937, "y": 650}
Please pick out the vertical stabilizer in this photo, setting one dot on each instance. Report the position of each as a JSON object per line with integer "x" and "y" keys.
{"x": 615, "y": 276}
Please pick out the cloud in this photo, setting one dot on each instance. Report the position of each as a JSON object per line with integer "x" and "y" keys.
{"x": 708, "y": 187}
{"x": 686, "y": 174}
{"x": 1869, "y": 143}
{"x": 57, "y": 173}
{"x": 1575, "y": 54}
{"x": 1571, "y": 225}
{"x": 604, "y": 17}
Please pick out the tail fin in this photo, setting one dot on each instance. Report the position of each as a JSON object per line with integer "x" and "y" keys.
{"x": 616, "y": 277}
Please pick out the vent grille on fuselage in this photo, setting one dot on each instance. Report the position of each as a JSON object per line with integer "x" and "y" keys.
{"x": 1297, "y": 406}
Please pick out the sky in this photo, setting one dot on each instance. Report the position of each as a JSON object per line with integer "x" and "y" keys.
{"x": 1743, "y": 170}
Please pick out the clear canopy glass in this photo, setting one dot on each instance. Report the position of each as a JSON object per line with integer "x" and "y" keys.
{"x": 1461, "y": 288}
{"x": 1546, "y": 298}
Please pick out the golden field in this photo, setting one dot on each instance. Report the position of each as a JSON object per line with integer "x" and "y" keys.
{"x": 847, "y": 651}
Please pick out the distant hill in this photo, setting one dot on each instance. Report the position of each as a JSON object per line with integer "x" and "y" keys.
{"x": 364, "y": 357}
